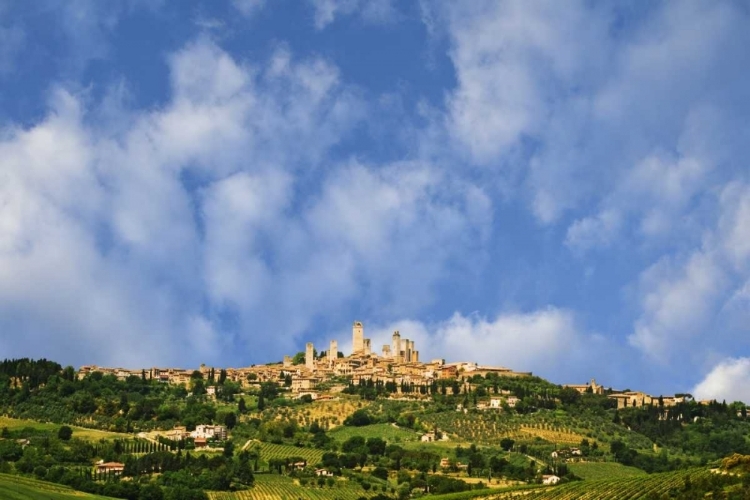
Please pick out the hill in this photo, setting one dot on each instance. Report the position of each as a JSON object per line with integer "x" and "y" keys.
{"x": 22, "y": 488}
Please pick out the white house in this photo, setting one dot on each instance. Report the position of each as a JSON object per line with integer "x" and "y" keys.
{"x": 550, "y": 479}
{"x": 209, "y": 432}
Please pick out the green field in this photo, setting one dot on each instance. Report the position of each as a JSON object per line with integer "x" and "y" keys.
{"x": 388, "y": 432}
{"x": 16, "y": 424}
{"x": 276, "y": 487}
{"x": 21, "y": 488}
{"x": 270, "y": 450}
{"x": 603, "y": 470}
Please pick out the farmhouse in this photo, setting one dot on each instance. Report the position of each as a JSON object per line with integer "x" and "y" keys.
{"x": 110, "y": 467}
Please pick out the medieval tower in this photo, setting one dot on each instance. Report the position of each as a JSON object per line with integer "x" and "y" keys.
{"x": 358, "y": 338}
{"x": 309, "y": 356}
{"x": 333, "y": 351}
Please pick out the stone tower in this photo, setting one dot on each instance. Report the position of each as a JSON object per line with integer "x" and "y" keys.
{"x": 358, "y": 338}
{"x": 406, "y": 350}
{"x": 309, "y": 356}
{"x": 396, "y": 345}
{"x": 367, "y": 347}
{"x": 333, "y": 351}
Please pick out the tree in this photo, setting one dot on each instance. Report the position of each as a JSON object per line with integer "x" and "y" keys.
{"x": 507, "y": 444}
{"x": 241, "y": 406}
{"x": 230, "y": 420}
{"x": 151, "y": 492}
{"x": 376, "y": 446}
{"x": 228, "y": 449}
{"x": 65, "y": 433}
{"x": 261, "y": 402}
{"x": 299, "y": 358}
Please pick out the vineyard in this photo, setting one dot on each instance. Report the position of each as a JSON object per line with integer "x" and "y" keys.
{"x": 632, "y": 488}
{"x": 270, "y": 451}
{"x": 603, "y": 470}
{"x": 21, "y": 488}
{"x": 275, "y": 487}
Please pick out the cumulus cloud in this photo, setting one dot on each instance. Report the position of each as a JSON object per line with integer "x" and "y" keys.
{"x": 192, "y": 224}
{"x": 685, "y": 302}
{"x": 729, "y": 380}
{"x": 548, "y": 341}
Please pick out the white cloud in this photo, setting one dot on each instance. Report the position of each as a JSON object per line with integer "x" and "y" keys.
{"x": 729, "y": 380}
{"x": 249, "y": 8}
{"x": 689, "y": 305}
{"x": 546, "y": 341}
{"x": 591, "y": 232}
{"x": 371, "y": 11}
{"x": 677, "y": 305}
{"x": 196, "y": 224}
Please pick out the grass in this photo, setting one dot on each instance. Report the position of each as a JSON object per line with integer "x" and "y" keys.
{"x": 603, "y": 470}
{"x": 22, "y": 488}
{"x": 16, "y": 424}
{"x": 388, "y": 432}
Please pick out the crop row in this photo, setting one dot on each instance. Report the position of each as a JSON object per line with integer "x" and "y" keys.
{"x": 271, "y": 487}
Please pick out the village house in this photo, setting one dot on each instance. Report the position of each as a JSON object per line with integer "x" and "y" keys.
{"x": 110, "y": 467}
{"x": 200, "y": 442}
{"x": 550, "y": 479}
{"x": 209, "y": 432}
{"x": 591, "y": 387}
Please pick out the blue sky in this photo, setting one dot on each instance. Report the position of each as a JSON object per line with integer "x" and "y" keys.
{"x": 556, "y": 187}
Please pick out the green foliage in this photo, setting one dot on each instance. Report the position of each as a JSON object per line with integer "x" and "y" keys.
{"x": 65, "y": 433}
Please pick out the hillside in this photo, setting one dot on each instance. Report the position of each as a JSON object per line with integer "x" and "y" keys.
{"x": 21, "y": 488}
{"x": 258, "y": 441}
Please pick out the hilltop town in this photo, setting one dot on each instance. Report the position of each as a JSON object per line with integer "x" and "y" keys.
{"x": 320, "y": 375}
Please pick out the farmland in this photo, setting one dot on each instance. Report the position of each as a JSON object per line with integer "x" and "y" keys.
{"x": 21, "y": 488}
{"x": 603, "y": 470}
{"x": 633, "y": 488}
{"x": 275, "y": 487}
{"x": 270, "y": 450}
{"x": 388, "y": 432}
{"x": 16, "y": 424}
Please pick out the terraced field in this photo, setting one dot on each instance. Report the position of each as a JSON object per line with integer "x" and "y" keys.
{"x": 275, "y": 487}
{"x": 389, "y": 432}
{"x": 21, "y": 488}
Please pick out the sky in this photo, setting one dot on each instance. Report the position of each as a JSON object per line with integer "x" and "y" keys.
{"x": 555, "y": 187}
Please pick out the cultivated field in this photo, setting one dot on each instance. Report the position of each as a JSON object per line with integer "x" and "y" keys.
{"x": 21, "y": 488}
{"x": 15, "y": 424}
{"x": 271, "y": 450}
{"x": 329, "y": 414}
{"x": 631, "y": 488}
{"x": 603, "y": 470}
{"x": 388, "y": 432}
{"x": 275, "y": 487}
